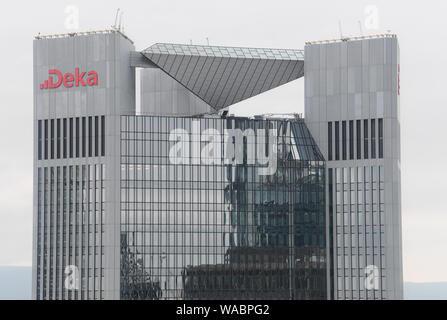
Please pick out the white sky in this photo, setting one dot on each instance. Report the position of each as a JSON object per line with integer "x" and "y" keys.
{"x": 420, "y": 25}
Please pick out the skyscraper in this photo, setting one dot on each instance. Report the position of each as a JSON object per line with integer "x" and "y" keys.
{"x": 352, "y": 110}
{"x": 184, "y": 201}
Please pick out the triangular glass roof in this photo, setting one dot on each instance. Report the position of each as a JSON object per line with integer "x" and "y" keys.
{"x": 223, "y": 76}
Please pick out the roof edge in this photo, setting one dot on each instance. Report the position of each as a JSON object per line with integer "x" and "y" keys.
{"x": 81, "y": 33}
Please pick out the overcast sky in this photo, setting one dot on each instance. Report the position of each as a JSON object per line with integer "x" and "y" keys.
{"x": 421, "y": 27}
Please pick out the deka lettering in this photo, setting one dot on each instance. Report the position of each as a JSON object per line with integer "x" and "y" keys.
{"x": 68, "y": 80}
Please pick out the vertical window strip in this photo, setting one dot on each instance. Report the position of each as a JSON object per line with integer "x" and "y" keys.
{"x": 52, "y": 138}
{"x": 365, "y": 138}
{"x": 343, "y": 134}
{"x": 64, "y": 129}
{"x": 46, "y": 139}
{"x": 39, "y": 232}
{"x": 77, "y": 138}
{"x": 359, "y": 139}
{"x": 373, "y": 138}
{"x": 331, "y": 235}
{"x": 329, "y": 134}
{"x": 83, "y": 137}
{"x": 380, "y": 138}
{"x": 96, "y": 136}
{"x": 71, "y": 141}
{"x": 90, "y": 136}
{"x": 351, "y": 140}
{"x": 103, "y": 136}
{"x": 58, "y": 141}
{"x": 337, "y": 140}
{"x": 45, "y": 234}
{"x": 39, "y": 140}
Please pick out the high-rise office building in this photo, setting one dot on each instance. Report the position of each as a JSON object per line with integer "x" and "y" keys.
{"x": 181, "y": 200}
{"x": 352, "y": 110}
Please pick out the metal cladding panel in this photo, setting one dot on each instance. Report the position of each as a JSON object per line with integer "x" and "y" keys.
{"x": 185, "y": 63}
{"x": 214, "y": 80}
{"x": 200, "y": 75}
{"x": 210, "y": 72}
{"x": 209, "y": 75}
{"x": 258, "y": 77}
{"x": 223, "y": 81}
{"x": 108, "y": 54}
{"x": 266, "y": 83}
{"x": 162, "y": 95}
{"x": 236, "y": 75}
{"x": 249, "y": 64}
{"x": 175, "y": 67}
{"x": 241, "y": 87}
{"x": 280, "y": 74}
{"x": 351, "y": 90}
{"x": 168, "y": 62}
{"x": 192, "y": 74}
{"x": 189, "y": 67}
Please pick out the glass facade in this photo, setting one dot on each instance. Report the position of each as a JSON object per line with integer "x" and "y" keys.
{"x": 208, "y": 228}
{"x": 227, "y": 52}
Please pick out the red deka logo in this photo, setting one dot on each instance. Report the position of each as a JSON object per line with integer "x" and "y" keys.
{"x": 68, "y": 80}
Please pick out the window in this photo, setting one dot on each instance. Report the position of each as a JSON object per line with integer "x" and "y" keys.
{"x": 343, "y": 137}
{"x": 103, "y": 136}
{"x": 77, "y": 137}
{"x": 71, "y": 137}
{"x": 337, "y": 140}
{"x": 46, "y": 139}
{"x": 58, "y": 141}
{"x": 351, "y": 140}
{"x": 96, "y": 136}
{"x": 329, "y": 137}
{"x": 64, "y": 129}
{"x": 90, "y": 136}
{"x": 380, "y": 138}
{"x": 83, "y": 137}
{"x": 365, "y": 138}
{"x": 52, "y": 138}
{"x": 359, "y": 139}
{"x": 39, "y": 140}
{"x": 373, "y": 138}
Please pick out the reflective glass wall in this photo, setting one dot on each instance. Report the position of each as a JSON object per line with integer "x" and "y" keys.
{"x": 217, "y": 208}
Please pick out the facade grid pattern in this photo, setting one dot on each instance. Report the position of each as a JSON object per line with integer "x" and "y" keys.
{"x": 216, "y": 231}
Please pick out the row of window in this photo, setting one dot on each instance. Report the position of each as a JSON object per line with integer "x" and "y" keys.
{"x": 182, "y": 225}
{"x": 359, "y": 232}
{"x": 368, "y": 132}
{"x": 70, "y": 212}
{"x": 77, "y": 137}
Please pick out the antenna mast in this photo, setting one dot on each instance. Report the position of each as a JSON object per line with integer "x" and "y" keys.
{"x": 339, "y": 28}
{"x": 120, "y": 20}
{"x": 116, "y": 19}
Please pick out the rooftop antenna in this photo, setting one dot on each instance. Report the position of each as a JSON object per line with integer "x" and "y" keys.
{"x": 360, "y": 26}
{"x": 207, "y": 41}
{"x": 121, "y": 18}
{"x": 190, "y": 41}
{"x": 116, "y": 19}
{"x": 339, "y": 29}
